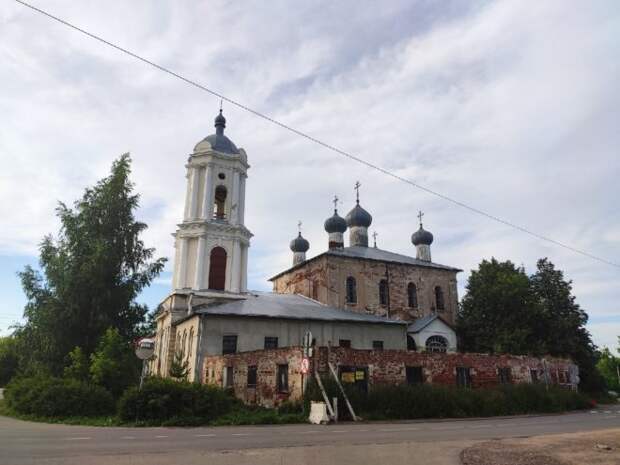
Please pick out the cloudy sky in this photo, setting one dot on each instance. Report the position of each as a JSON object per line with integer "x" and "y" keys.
{"x": 510, "y": 106}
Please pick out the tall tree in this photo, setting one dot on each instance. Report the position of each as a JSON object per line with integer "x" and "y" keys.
{"x": 563, "y": 330}
{"x": 498, "y": 311}
{"x": 92, "y": 273}
{"x": 505, "y": 310}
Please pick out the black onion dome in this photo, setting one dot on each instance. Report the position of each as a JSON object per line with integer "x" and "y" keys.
{"x": 359, "y": 217}
{"x": 299, "y": 244}
{"x": 218, "y": 141}
{"x": 422, "y": 236}
{"x": 335, "y": 223}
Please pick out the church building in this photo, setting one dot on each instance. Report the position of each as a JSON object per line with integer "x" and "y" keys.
{"x": 355, "y": 298}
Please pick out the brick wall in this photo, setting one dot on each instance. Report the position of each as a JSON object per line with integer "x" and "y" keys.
{"x": 266, "y": 361}
{"x": 389, "y": 366}
{"x": 384, "y": 367}
{"x": 324, "y": 279}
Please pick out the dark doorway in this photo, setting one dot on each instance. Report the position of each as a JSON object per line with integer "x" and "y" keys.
{"x": 217, "y": 269}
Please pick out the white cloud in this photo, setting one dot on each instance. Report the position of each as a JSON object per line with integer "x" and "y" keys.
{"x": 512, "y": 107}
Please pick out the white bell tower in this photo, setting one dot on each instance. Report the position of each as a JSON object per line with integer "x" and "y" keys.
{"x": 212, "y": 242}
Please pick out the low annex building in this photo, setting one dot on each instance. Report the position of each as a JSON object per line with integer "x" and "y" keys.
{"x": 379, "y": 316}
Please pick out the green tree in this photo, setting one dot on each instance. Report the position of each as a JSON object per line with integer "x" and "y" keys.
{"x": 79, "y": 366}
{"x": 8, "y": 359}
{"x": 114, "y": 364}
{"x": 608, "y": 367}
{"x": 90, "y": 274}
{"x": 562, "y": 324}
{"x": 498, "y": 312}
{"x": 506, "y": 311}
{"x": 179, "y": 369}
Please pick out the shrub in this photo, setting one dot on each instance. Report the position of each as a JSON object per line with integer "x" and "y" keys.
{"x": 436, "y": 401}
{"x": 259, "y": 416}
{"x": 55, "y": 397}
{"x": 290, "y": 407}
{"x": 78, "y": 367}
{"x": 114, "y": 364}
{"x": 170, "y": 402}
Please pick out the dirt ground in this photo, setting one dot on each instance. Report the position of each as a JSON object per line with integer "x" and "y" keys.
{"x": 591, "y": 448}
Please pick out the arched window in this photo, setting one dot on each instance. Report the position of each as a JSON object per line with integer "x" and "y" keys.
{"x": 412, "y": 296}
{"x": 220, "y": 202}
{"x": 436, "y": 344}
{"x": 411, "y": 343}
{"x": 439, "y": 298}
{"x": 351, "y": 290}
{"x": 383, "y": 292}
{"x": 217, "y": 269}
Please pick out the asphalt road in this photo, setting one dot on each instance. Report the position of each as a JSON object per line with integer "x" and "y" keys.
{"x": 25, "y": 442}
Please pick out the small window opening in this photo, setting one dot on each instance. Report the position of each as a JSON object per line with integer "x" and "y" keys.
{"x": 351, "y": 290}
{"x": 220, "y": 202}
{"x": 383, "y": 292}
{"x": 412, "y": 294}
{"x": 439, "y": 301}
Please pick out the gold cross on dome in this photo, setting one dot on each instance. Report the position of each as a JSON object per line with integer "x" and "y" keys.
{"x": 357, "y": 190}
{"x": 420, "y": 215}
{"x": 336, "y": 199}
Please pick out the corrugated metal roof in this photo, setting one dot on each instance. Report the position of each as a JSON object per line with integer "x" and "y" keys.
{"x": 372, "y": 253}
{"x": 421, "y": 323}
{"x": 288, "y": 306}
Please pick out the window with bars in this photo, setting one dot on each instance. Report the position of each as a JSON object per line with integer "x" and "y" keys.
{"x": 271, "y": 342}
{"x": 377, "y": 345}
{"x": 229, "y": 344}
{"x": 436, "y": 344}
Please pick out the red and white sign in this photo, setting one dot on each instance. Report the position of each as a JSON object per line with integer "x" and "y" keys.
{"x": 305, "y": 365}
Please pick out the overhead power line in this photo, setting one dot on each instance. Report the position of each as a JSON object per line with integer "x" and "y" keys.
{"x": 317, "y": 141}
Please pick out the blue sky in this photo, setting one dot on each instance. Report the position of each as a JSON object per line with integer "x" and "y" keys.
{"x": 510, "y": 106}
